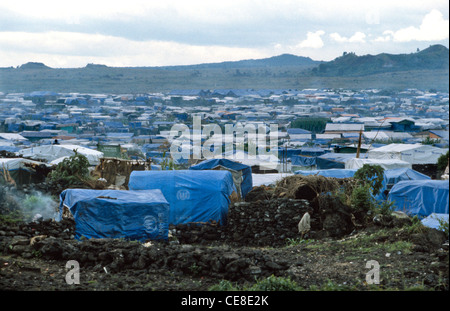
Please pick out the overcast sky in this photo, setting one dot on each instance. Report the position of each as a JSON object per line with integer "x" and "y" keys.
{"x": 181, "y": 32}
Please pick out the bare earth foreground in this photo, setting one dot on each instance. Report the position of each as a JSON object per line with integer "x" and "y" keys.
{"x": 406, "y": 261}
{"x": 259, "y": 250}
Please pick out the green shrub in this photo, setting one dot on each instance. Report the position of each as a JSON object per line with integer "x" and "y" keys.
{"x": 224, "y": 285}
{"x": 416, "y": 226}
{"x": 361, "y": 198}
{"x": 442, "y": 163}
{"x": 372, "y": 175}
{"x": 273, "y": 283}
{"x": 71, "y": 171}
{"x": 443, "y": 225}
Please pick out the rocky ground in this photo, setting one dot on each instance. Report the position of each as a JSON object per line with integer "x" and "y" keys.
{"x": 260, "y": 241}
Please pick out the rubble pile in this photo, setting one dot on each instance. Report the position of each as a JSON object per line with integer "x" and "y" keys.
{"x": 22, "y": 238}
{"x": 260, "y": 223}
{"x": 52, "y": 240}
{"x": 268, "y": 222}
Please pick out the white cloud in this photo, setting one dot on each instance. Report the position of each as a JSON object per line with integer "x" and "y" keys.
{"x": 66, "y": 49}
{"x": 136, "y": 32}
{"x": 313, "y": 40}
{"x": 358, "y": 37}
{"x": 433, "y": 28}
{"x": 386, "y": 37}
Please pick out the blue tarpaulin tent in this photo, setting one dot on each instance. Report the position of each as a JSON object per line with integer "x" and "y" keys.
{"x": 421, "y": 197}
{"x": 300, "y": 160}
{"x": 194, "y": 196}
{"x": 336, "y": 173}
{"x": 246, "y": 184}
{"x": 343, "y": 173}
{"x": 435, "y": 220}
{"x": 398, "y": 174}
{"x": 335, "y": 160}
{"x": 133, "y": 215}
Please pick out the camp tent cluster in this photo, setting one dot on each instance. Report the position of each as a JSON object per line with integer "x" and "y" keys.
{"x": 155, "y": 200}
{"x": 408, "y": 190}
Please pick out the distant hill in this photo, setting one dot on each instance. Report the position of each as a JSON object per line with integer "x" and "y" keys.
{"x": 34, "y": 65}
{"x": 349, "y": 64}
{"x": 275, "y": 61}
{"x": 427, "y": 69}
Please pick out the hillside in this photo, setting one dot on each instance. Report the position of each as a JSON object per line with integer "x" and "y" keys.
{"x": 349, "y": 64}
{"x": 34, "y": 65}
{"x": 275, "y": 61}
{"x": 427, "y": 69}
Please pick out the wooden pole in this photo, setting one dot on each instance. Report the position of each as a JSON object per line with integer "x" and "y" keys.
{"x": 359, "y": 144}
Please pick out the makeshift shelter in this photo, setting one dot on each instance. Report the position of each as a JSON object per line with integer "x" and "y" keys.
{"x": 343, "y": 173}
{"x": 335, "y": 173}
{"x": 194, "y": 195}
{"x": 21, "y": 171}
{"x": 420, "y": 197}
{"x": 357, "y": 163}
{"x": 242, "y": 174}
{"x": 396, "y": 175}
{"x": 52, "y": 152}
{"x": 133, "y": 215}
{"x": 268, "y": 179}
{"x": 263, "y": 162}
{"x": 411, "y": 153}
{"x": 335, "y": 160}
{"x": 435, "y": 220}
{"x": 300, "y": 160}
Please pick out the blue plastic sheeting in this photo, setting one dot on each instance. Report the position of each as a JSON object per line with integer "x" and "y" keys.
{"x": 336, "y": 173}
{"x": 323, "y": 163}
{"x": 133, "y": 215}
{"x": 343, "y": 173}
{"x": 10, "y": 148}
{"x": 247, "y": 182}
{"x": 433, "y": 221}
{"x": 335, "y": 160}
{"x": 303, "y": 161}
{"x": 420, "y": 197}
{"x": 332, "y": 160}
{"x": 288, "y": 153}
{"x": 399, "y": 174}
{"x": 305, "y": 151}
{"x": 313, "y": 151}
{"x": 194, "y": 196}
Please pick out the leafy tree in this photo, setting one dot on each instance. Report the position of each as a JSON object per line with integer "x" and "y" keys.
{"x": 369, "y": 182}
{"x": 71, "y": 171}
{"x": 372, "y": 176}
{"x": 314, "y": 125}
{"x": 442, "y": 162}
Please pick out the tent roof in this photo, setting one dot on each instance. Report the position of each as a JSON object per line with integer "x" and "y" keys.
{"x": 247, "y": 182}
{"x": 53, "y": 152}
{"x": 421, "y": 197}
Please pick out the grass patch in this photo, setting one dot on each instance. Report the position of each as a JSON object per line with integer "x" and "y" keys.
{"x": 271, "y": 283}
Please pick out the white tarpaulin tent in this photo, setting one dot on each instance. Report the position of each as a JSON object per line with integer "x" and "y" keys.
{"x": 357, "y": 163}
{"x": 52, "y": 152}
{"x": 18, "y": 170}
{"x": 411, "y": 153}
{"x": 268, "y": 179}
{"x": 11, "y": 164}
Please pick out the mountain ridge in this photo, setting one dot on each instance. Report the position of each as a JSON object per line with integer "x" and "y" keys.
{"x": 350, "y": 64}
{"x": 426, "y": 69}
{"x": 433, "y": 57}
